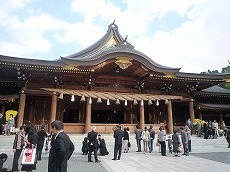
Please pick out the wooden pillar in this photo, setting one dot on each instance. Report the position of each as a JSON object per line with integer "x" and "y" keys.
{"x": 191, "y": 111}
{"x": 170, "y": 118}
{"x": 200, "y": 115}
{"x": 53, "y": 110}
{"x": 21, "y": 108}
{"x": 221, "y": 120}
{"x": 31, "y": 115}
{"x": 142, "y": 116}
{"x": 88, "y": 117}
{"x": 3, "y": 109}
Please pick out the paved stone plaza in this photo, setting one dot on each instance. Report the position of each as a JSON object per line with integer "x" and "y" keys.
{"x": 206, "y": 156}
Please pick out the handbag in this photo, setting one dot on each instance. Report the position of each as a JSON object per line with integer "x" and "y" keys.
{"x": 143, "y": 137}
{"x": 157, "y": 143}
{"x": 129, "y": 144}
{"x": 12, "y": 129}
{"x": 29, "y": 156}
{"x": 180, "y": 149}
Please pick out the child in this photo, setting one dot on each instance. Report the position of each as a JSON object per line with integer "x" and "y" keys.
{"x": 170, "y": 143}
{"x": 84, "y": 148}
{"x": 48, "y": 142}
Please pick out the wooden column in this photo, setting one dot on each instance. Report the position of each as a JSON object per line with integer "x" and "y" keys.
{"x": 191, "y": 111}
{"x": 200, "y": 115}
{"x": 31, "y": 116}
{"x": 170, "y": 118}
{"x": 53, "y": 110}
{"x": 88, "y": 116}
{"x": 221, "y": 121}
{"x": 142, "y": 116}
{"x": 3, "y": 109}
{"x": 21, "y": 108}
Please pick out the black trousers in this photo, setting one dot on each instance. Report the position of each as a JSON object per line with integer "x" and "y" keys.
{"x": 163, "y": 148}
{"x": 93, "y": 149}
{"x": 189, "y": 146}
{"x": 228, "y": 140}
{"x": 117, "y": 148}
{"x": 15, "y": 161}
{"x": 39, "y": 150}
{"x": 1, "y": 129}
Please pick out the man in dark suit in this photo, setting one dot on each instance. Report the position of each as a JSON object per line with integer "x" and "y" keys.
{"x": 41, "y": 138}
{"x": 61, "y": 149}
{"x": 93, "y": 144}
{"x": 118, "y": 135}
{"x": 2, "y": 122}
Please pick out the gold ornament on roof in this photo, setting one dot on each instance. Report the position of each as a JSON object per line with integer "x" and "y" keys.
{"x": 70, "y": 66}
{"x": 169, "y": 75}
{"x": 111, "y": 42}
{"x": 123, "y": 62}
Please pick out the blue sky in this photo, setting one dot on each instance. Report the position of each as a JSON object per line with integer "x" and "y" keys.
{"x": 191, "y": 34}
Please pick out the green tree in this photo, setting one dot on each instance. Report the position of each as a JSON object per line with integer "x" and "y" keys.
{"x": 225, "y": 70}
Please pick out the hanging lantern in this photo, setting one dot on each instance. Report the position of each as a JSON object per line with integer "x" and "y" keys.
{"x": 166, "y": 101}
{"x": 90, "y": 100}
{"x": 126, "y": 102}
{"x": 108, "y": 103}
{"x": 157, "y": 103}
{"x": 99, "y": 100}
{"x": 117, "y": 102}
{"x": 82, "y": 99}
{"x": 60, "y": 96}
{"x": 135, "y": 102}
{"x": 150, "y": 102}
{"x": 142, "y": 102}
{"x": 72, "y": 98}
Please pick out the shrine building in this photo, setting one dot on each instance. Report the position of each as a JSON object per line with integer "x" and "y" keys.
{"x": 109, "y": 83}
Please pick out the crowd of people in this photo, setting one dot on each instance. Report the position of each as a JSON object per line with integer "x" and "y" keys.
{"x": 60, "y": 147}
{"x": 7, "y": 126}
{"x": 30, "y": 143}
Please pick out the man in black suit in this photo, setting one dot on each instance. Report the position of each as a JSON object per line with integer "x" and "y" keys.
{"x": 93, "y": 144}
{"x": 41, "y": 138}
{"x": 61, "y": 149}
{"x": 118, "y": 135}
{"x": 2, "y": 122}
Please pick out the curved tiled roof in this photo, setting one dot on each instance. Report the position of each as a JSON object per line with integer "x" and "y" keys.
{"x": 216, "y": 89}
{"x": 99, "y": 52}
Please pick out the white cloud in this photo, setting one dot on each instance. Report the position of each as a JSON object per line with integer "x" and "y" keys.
{"x": 198, "y": 44}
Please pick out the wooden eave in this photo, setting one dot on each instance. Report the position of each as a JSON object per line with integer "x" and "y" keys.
{"x": 216, "y": 107}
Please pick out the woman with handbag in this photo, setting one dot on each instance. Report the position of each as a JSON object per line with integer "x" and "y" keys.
{"x": 31, "y": 143}
{"x": 145, "y": 136}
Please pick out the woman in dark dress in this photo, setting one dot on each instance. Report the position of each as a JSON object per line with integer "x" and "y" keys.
{"x": 103, "y": 149}
{"x": 31, "y": 142}
{"x": 176, "y": 143}
{"x": 84, "y": 148}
